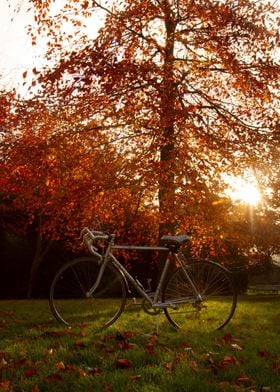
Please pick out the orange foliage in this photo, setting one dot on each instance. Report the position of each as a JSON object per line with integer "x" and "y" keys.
{"x": 167, "y": 97}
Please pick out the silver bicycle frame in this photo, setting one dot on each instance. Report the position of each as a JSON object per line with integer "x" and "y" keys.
{"x": 154, "y": 301}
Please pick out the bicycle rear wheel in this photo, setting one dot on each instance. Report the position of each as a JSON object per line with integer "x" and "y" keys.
{"x": 70, "y": 303}
{"x": 217, "y": 291}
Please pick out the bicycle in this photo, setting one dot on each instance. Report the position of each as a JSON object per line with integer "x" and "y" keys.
{"x": 94, "y": 288}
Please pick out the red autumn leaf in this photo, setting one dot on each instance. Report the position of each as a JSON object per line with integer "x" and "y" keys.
{"x": 109, "y": 349}
{"x": 149, "y": 347}
{"x": 3, "y": 363}
{"x": 5, "y": 385}
{"x": 169, "y": 366}
{"x": 125, "y": 345}
{"x": 123, "y": 363}
{"x": 230, "y": 359}
{"x": 228, "y": 338}
{"x": 276, "y": 367}
{"x": 55, "y": 377}
{"x": 236, "y": 347}
{"x": 82, "y": 373}
{"x": 108, "y": 388}
{"x": 21, "y": 362}
{"x": 124, "y": 335}
{"x": 243, "y": 379}
{"x": 70, "y": 368}
{"x": 264, "y": 354}
{"x": 227, "y": 361}
{"x": 35, "y": 388}
{"x": 194, "y": 366}
{"x": 79, "y": 344}
{"x": 181, "y": 356}
{"x": 95, "y": 371}
{"x": 55, "y": 334}
{"x": 60, "y": 365}
{"x": 30, "y": 372}
{"x": 136, "y": 377}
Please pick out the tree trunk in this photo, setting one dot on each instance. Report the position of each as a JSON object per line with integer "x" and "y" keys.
{"x": 167, "y": 143}
{"x": 42, "y": 248}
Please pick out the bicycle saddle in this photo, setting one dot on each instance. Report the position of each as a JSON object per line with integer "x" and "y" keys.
{"x": 174, "y": 239}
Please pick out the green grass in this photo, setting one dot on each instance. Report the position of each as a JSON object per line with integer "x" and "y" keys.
{"x": 38, "y": 354}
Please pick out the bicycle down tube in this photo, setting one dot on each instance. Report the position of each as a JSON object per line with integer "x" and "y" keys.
{"x": 155, "y": 301}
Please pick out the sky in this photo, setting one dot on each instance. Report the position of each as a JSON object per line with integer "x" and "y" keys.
{"x": 16, "y": 52}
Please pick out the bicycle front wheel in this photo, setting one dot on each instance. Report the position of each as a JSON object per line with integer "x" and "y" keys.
{"x": 212, "y": 308}
{"x": 69, "y": 299}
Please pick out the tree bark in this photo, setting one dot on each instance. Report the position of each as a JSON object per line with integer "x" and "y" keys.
{"x": 166, "y": 192}
{"x": 41, "y": 249}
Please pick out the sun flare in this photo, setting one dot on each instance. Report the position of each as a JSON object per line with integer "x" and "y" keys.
{"x": 244, "y": 190}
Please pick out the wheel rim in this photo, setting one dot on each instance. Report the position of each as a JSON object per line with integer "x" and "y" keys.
{"x": 218, "y": 297}
{"x": 69, "y": 297}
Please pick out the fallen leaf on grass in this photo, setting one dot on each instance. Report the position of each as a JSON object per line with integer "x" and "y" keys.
{"x": 236, "y": 347}
{"x": 56, "y": 334}
{"x": 243, "y": 380}
{"x": 94, "y": 371}
{"x": 264, "y": 354}
{"x": 70, "y": 368}
{"x": 194, "y": 366}
{"x": 125, "y": 345}
{"x": 6, "y": 385}
{"x": 30, "y": 372}
{"x": 79, "y": 344}
{"x": 108, "y": 388}
{"x": 60, "y": 365}
{"x": 3, "y": 363}
{"x": 227, "y": 361}
{"x": 82, "y": 373}
{"x": 169, "y": 366}
{"x": 21, "y": 362}
{"x": 180, "y": 356}
{"x": 136, "y": 377}
{"x": 149, "y": 347}
{"x": 223, "y": 385}
{"x": 276, "y": 367}
{"x": 35, "y": 388}
{"x": 228, "y": 338}
{"x": 123, "y": 363}
{"x": 53, "y": 378}
{"x": 123, "y": 336}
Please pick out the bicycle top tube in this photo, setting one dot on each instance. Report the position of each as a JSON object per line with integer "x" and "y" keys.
{"x": 140, "y": 248}
{"x": 170, "y": 243}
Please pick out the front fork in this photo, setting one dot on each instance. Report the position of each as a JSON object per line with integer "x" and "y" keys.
{"x": 103, "y": 262}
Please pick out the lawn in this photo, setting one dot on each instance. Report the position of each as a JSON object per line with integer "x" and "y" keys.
{"x": 139, "y": 352}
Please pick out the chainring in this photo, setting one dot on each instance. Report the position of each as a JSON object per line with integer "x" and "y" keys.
{"x": 148, "y": 308}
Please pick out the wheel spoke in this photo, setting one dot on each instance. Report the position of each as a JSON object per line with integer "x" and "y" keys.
{"x": 69, "y": 299}
{"x": 216, "y": 289}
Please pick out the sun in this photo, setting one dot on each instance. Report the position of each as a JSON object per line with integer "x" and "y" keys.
{"x": 244, "y": 190}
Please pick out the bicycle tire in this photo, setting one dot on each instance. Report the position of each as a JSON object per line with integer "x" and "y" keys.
{"x": 216, "y": 287}
{"x": 68, "y": 299}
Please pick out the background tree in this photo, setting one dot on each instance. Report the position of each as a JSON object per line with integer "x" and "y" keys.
{"x": 190, "y": 85}
{"x": 58, "y": 178}
{"x": 139, "y": 123}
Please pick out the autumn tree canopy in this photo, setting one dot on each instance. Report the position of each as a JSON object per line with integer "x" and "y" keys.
{"x": 56, "y": 178}
{"x": 185, "y": 89}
